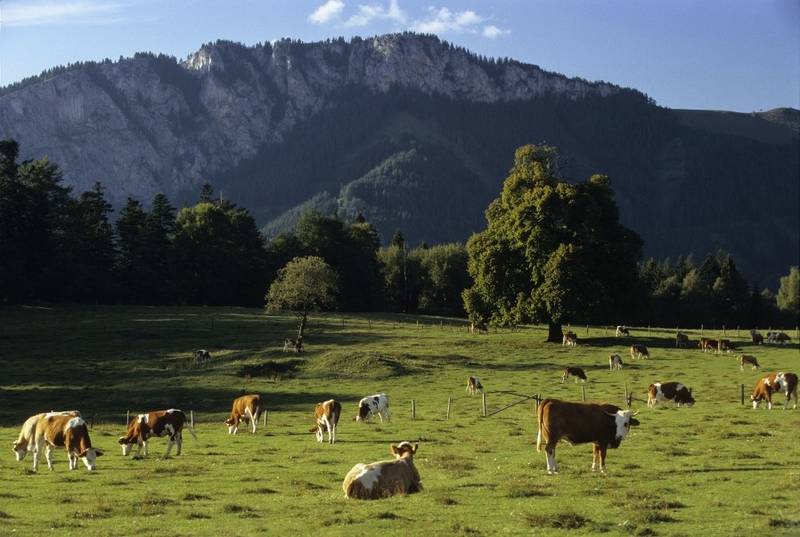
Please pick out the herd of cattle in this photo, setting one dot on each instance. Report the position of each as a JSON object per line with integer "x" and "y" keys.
{"x": 602, "y": 425}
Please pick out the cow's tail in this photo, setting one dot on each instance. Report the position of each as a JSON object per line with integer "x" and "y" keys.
{"x": 543, "y": 432}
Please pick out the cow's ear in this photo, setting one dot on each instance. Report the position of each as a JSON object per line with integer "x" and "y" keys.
{"x": 122, "y": 440}
{"x": 414, "y": 451}
{"x": 394, "y": 449}
{"x": 98, "y": 452}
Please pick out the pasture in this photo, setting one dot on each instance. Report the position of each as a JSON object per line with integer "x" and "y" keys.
{"x": 716, "y": 469}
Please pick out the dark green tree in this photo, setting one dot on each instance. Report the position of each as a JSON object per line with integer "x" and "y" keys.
{"x": 788, "y": 297}
{"x": 132, "y": 267}
{"x": 552, "y": 251}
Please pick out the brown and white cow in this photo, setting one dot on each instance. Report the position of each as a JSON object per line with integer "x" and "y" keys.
{"x": 581, "y": 423}
{"x": 756, "y": 336}
{"x": 669, "y": 391}
{"x": 639, "y": 351}
{"x": 576, "y": 372}
{"x": 747, "y": 359}
{"x": 681, "y": 340}
{"x": 774, "y": 383}
{"x": 707, "y": 344}
{"x": 474, "y": 385}
{"x": 69, "y": 432}
{"x": 155, "y": 423}
{"x": 622, "y": 331}
{"x": 25, "y": 440}
{"x": 570, "y": 339}
{"x": 614, "y": 361}
{"x": 326, "y": 416}
{"x": 245, "y": 408}
{"x": 385, "y": 478}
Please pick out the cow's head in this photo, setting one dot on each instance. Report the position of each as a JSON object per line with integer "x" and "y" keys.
{"x": 624, "y": 420}
{"x": 89, "y": 457}
{"x": 404, "y": 449}
{"x": 20, "y": 449}
{"x": 363, "y": 412}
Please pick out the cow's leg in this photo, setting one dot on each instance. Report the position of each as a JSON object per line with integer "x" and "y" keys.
{"x": 380, "y": 415}
{"x": 594, "y": 457}
{"x": 170, "y": 441}
{"x": 332, "y": 433}
{"x": 253, "y": 420}
{"x": 179, "y": 441}
{"x": 550, "y": 452}
{"x": 48, "y": 455}
{"x": 602, "y": 457}
{"x": 36, "y": 450}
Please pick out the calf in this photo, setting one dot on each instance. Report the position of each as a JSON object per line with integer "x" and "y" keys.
{"x": 326, "y": 416}
{"x": 25, "y": 440}
{"x": 69, "y": 432}
{"x": 681, "y": 340}
{"x": 570, "y": 339}
{"x": 580, "y": 423}
{"x": 372, "y": 405}
{"x": 474, "y": 385}
{"x": 155, "y": 423}
{"x": 670, "y": 391}
{"x": 707, "y": 344}
{"x": 622, "y": 331}
{"x": 773, "y": 383}
{"x": 576, "y": 372}
{"x": 245, "y": 408}
{"x": 385, "y": 478}
{"x": 747, "y": 359}
{"x": 639, "y": 351}
{"x": 614, "y": 361}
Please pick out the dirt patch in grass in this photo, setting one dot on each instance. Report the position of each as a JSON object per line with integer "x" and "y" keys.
{"x": 260, "y": 490}
{"x": 455, "y": 465}
{"x": 271, "y": 369}
{"x": 783, "y": 522}
{"x": 460, "y": 529}
{"x": 194, "y": 497}
{"x": 567, "y": 520}
{"x": 151, "y": 505}
{"x": 388, "y": 515}
{"x": 300, "y": 484}
{"x": 5, "y": 516}
{"x": 197, "y": 516}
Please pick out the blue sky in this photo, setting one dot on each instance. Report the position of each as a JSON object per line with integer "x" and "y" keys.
{"x": 716, "y": 54}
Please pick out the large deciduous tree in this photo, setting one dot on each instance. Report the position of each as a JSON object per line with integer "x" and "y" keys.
{"x": 788, "y": 298}
{"x": 305, "y": 284}
{"x": 552, "y": 251}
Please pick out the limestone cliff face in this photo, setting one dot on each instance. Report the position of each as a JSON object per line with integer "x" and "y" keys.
{"x": 150, "y": 124}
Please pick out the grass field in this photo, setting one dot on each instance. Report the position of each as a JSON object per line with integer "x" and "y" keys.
{"x": 717, "y": 469}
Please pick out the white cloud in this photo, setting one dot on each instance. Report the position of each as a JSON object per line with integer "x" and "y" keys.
{"x": 493, "y": 32}
{"x": 368, "y": 13}
{"x": 443, "y": 20}
{"x": 327, "y": 12}
{"x": 86, "y": 12}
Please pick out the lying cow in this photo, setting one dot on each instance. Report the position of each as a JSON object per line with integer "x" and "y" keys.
{"x": 614, "y": 361}
{"x": 293, "y": 345}
{"x": 155, "y": 423}
{"x": 474, "y": 385}
{"x": 747, "y": 359}
{"x": 707, "y": 344}
{"x": 576, "y": 372}
{"x": 622, "y": 331}
{"x": 681, "y": 340}
{"x": 25, "y": 440}
{"x": 756, "y": 336}
{"x": 69, "y": 432}
{"x": 372, "y": 405}
{"x": 778, "y": 337}
{"x": 326, "y": 416}
{"x": 245, "y": 408}
{"x": 639, "y": 351}
{"x": 385, "y": 478}
{"x": 669, "y": 391}
{"x": 570, "y": 339}
{"x": 581, "y": 423}
{"x": 774, "y": 383}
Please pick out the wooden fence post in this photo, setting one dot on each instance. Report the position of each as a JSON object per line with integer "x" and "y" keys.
{"x": 191, "y": 418}
{"x": 127, "y": 417}
{"x": 648, "y": 329}
{"x": 449, "y": 401}
{"x": 587, "y": 330}
{"x": 413, "y": 409}
{"x": 701, "y": 329}
{"x": 483, "y": 404}
{"x": 723, "y": 330}
{"x": 265, "y": 418}
{"x": 741, "y": 387}
{"x": 626, "y": 394}
{"x": 737, "y": 330}
{"x": 370, "y": 323}
{"x": 583, "y": 393}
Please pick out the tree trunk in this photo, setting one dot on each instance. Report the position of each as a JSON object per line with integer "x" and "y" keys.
{"x": 554, "y": 333}
{"x": 302, "y": 325}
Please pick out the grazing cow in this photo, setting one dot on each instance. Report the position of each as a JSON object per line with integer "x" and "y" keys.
{"x": 371, "y": 405}
{"x": 747, "y": 359}
{"x": 670, "y": 391}
{"x": 681, "y": 340}
{"x": 385, "y": 478}
{"x": 326, "y": 415}
{"x": 639, "y": 351}
{"x": 724, "y": 345}
{"x": 570, "y": 339}
{"x": 479, "y": 328}
{"x": 581, "y": 423}
{"x": 293, "y": 345}
{"x": 69, "y": 432}
{"x": 245, "y": 408}
{"x": 777, "y": 337}
{"x": 155, "y": 423}
{"x": 756, "y": 336}
{"x": 622, "y": 331}
{"x": 614, "y": 361}
{"x": 773, "y": 383}
{"x": 25, "y": 440}
{"x": 474, "y": 385}
{"x": 576, "y": 372}
{"x": 707, "y": 344}
{"x": 201, "y": 357}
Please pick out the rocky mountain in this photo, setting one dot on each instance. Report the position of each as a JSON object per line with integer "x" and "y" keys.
{"x": 412, "y": 132}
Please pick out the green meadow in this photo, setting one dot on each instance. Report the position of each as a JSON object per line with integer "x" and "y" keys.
{"x": 716, "y": 469}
